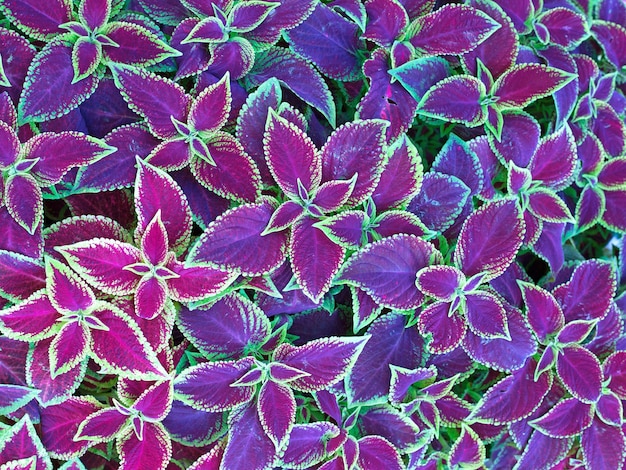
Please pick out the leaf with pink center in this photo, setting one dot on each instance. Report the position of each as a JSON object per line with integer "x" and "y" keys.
{"x": 291, "y": 156}
{"x": 137, "y": 45}
{"x": 513, "y": 398}
{"x": 568, "y": 418}
{"x": 580, "y": 372}
{"x": 207, "y": 31}
{"x": 31, "y": 320}
{"x": 542, "y": 311}
{"x": 307, "y": 444}
{"x": 154, "y": 241}
{"x": 233, "y": 175}
{"x": 86, "y": 57}
{"x": 150, "y": 296}
{"x": 123, "y": 349}
{"x": 386, "y": 19}
{"x": 575, "y": 331}
{"x": 614, "y": 217}
{"x": 519, "y": 138}
{"x": 21, "y": 439}
{"x": 276, "y": 406}
{"x": 440, "y": 282}
{"x": 9, "y": 145}
{"x": 457, "y": 99}
{"x": 246, "y": 17}
{"x": 610, "y": 129}
{"x": 588, "y": 294}
{"x": 59, "y": 424}
{"x": 603, "y": 445}
{"x": 503, "y": 353}
{"x": 378, "y": 452}
{"x": 23, "y": 199}
{"x": 66, "y": 291}
{"x": 393, "y": 223}
{"x": 226, "y": 328}
{"x": 468, "y": 451}
{"x": 543, "y": 451}
{"x": 156, "y": 191}
{"x": 155, "y": 98}
{"x": 554, "y": 161}
{"x": 101, "y": 426}
{"x": 248, "y": 445}
{"x": 332, "y": 195}
{"x": 589, "y": 208}
{"x": 209, "y": 111}
{"x": 68, "y": 348}
{"x": 489, "y": 239}
{"x": 611, "y": 38}
{"x": 101, "y": 262}
{"x": 309, "y": 243}
{"x": 155, "y": 402}
{"x": 345, "y": 228}
{"x": 446, "y": 331}
{"x": 546, "y": 205}
{"x": 284, "y": 216}
{"x": 613, "y": 174}
{"x": 567, "y": 28}
{"x": 39, "y": 21}
{"x": 20, "y": 276}
{"x": 452, "y": 29}
{"x": 386, "y": 270}
{"x": 234, "y": 241}
{"x": 49, "y": 91}
{"x": 196, "y": 282}
{"x": 153, "y": 450}
{"x": 326, "y": 360}
{"x": 524, "y": 83}
{"x": 95, "y": 13}
{"x": 609, "y": 409}
{"x": 208, "y": 386}
{"x": 614, "y": 367}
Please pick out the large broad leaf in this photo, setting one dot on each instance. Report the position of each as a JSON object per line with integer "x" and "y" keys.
{"x": 568, "y": 418}
{"x": 457, "y": 99}
{"x": 579, "y": 370}
{"x": 326, "y": 360}
{"x": 543, "y": 451}
{"x": 554, "y": 162}
{"x": 456, "y": 158}
{"x": 386, "y": 19}
{"x": 307, "y": 444}
{"x": 234, "y": 241}
{"x": 386, "y": 270}
{"x": 287, "y": 15}
{"x": 489, "y": 239}
{"x": 377, "y": 452}
{"x": 49, "y": 91}
{"x": 356, "y": 148}
{"x": 542, "y": 311}
{"x": 226, "y": 329}
{"x": 39, "y": 21}
{"x": 515, "y": 397}
{"x": 137, "y": 45}
{"x": 153, "y": 450}
{"x": 30, "y": 320}
{"x": 15, "y": 397}
{"x": 391, "y": 343}
{"x": 276, "y": 406}
{"x": 21, "y": 440}
{"x": 468, "y": 451}
{"x": 452, "y": 29}
{"x": 393, "y": 425}
{"x": 519, "y": 138}
{"x": 603, "y": 445}
{"x": 612, "y": 38}
{"x": 193, "y": 427}
{"x": 23, "y": 200}
{"x": 524, "y": 83}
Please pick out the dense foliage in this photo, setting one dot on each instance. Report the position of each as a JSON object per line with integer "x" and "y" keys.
{"x": 293, "y": 234}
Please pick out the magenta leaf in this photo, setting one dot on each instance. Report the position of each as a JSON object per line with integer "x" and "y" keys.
{"x": 386, "y": 270}
{"x": 544, "y": 451}
{"x": 95, "y": 13}
{"x": 23, "y": 199}
{"x": 519, "y": 138}
{"x": 447, "y": 331}
{"x": 68, "y": 348}
{"x": 370, "y": 377}
{"x": 515, "y": 397}
{"x": 489, "y": 239}
{"x": 193, "y": 427}
{"x": 30, "y": 320}
{"x": 345, "y": 228}
{"x": 307, "y": 444}
{"x": 10, "y": 145}
{"x": 440, "y": 282}
{"x": 86, "y": 57}
{"x": 542, "y": 311}
{"x": 575, "y": 331}
{"x": 486, "y": 316}
{"x": 234, "y": 241}
{"x": 49, "y": 91}
{"x": 196, "y": 282}
{"x": 609, "y": 409}
{"x": 155, "y": 98}
{"x": 66, "y": 291}
{"x": 393, "y": 425}
{"x": 555, "y": 172}
{"x": 276, "y": 406}
{"x": 566, "y": 27}
{"x": 15, "y": 397}
{"x": 568, "y": 418}
{"x": 326, "y": 360}
{"x": 136, "y": 45}
{"x": 244, "y": 17}
{"x": 153, "y": 450}
{"x": 579, "y": 370}
{"x": 611, "y": 38}
{"x": 308, "y": 242}
{"x": 248, "y": 445}
{"x": 101, "y": 262}
{"x": 468, "y": 450}
{"x": 286, "y": 15}
{"x": 208, "y": 386}
{"x": 20, "y": 276}
{"x": 378, "y": 452}
{"x": 284, "y": 216}
{"x": 452, "y": 29}
{"x": 546, "y": 205}
{"x": 457, "y": 99}
{"x": 603, "y": 445}
{"x": 615, "y": 367}
{"x": 386, "y": 19}
{"x": 21, "y": 440}
{"x": 150, "y": 296}
{"x": 39, "y": 21}
{"x": 155, "y": 402}
{"x": 524, "y": 83}
{"x": 210, "y": 109}
{"x": 227, "y": 328}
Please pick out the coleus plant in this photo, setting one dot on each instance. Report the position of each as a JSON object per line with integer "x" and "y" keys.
{"x": 299, "y": 234}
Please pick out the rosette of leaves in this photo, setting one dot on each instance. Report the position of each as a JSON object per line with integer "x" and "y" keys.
{"x": 79, "y": 45}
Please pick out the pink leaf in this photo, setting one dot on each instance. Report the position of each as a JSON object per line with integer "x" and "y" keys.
{"x": 276, "y": 406}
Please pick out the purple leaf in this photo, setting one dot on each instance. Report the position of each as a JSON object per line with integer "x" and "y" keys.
{"x": 153, "y": 450}
{"x": 391, "y": 342}
{"x": 468, "y": 450}
{"x": 386, "y": 270}
{"x": 101, "y": 263}
{"x": 295, "y": 73}
{"x": 30, "y": 320}
{"x": 150, "y": 297}
{"x": 331, "y": 195}
{"x": 234, "y": 241}
{"x": 378, "y": 452}
{"x": 226, "y": 329}
{"x": 543, "y": 451}
{"x": 456, "y": 158}
{"x": 610, "y": 129}
{"x": 49, "y": 91}
{"x": 447, "y": 331}
{"x": 15, "y": 397}
{"x": 579, "y": 370}
{"x": 16, "y": 46}
{"x": 486, "y": 316}
{"x": 326, "y": 360}
{"x": 155, "y": 402}
{"x": 330, "y": 41}
{"x": 95, "y": 13}
{"x": 452, "y": 29}
{"x": 546, "y": 205}
{"x": 386, "y": 19}
{"x": 23, "y": 200}
{"x": 440, "y": 282}
{"x": 613, "y": 174}
{"x": 391, "y": 424}
{"x": 489, "y": 239}
{"x": 196, "y": 282}
{"x": 136, "y": 45}
{"x": 345, "y": 228}
{"x": 210, "y": 109}
{"x": 611, "y": 38}
{"x": 524, "y": 83}
{"x": 21, "y": 439}
{"x": 555, "y": 172}
{"x": 609, "y": 409}
{"x": 356, "y": 148}
{"x": 457, "y": 99}
{"x": 567, "y": 419}
{"x": 307, "y": 444}
{"x": 418, "y": 75}
{"x": 20, "y": 276}
{"x": 542, "y": 311}
{"x": 308, "y": 243}
{"x": 396, "y": 221}
{"x": 287, "y": 15}
{"x": 284, "y": 216}
{"x": 567, "y": 28}
{"x": 193, "y": 427}
{"x": 575, "y": 331}
{"x": 519, "y": 138}
{"x": 207, "y": 386}
{"x": 248, "y": 445}
{"x": 276, "y": 406}
{"x": 10, "y": 145}
{"x": 291, "y": 156}
{"x": 244, "y": 18}
{"x": 39, "y": 21}
{"x": 155, "y": 98}
{"x": 86, "y": 57}
{"x": 613, "y": 217}
{"x": 614, "y": 367}
{"x": 195, "y": 56}
{"x": 603, "y": 445}
{"x": 68, "y": 348}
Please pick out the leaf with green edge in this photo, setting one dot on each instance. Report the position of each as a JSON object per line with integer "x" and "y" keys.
{"x": 29, "y": 463}
{"x": 14, "y": 397}
{"x": 24, "y": 201}
{"x": 67, "y": 292}
{"x": 86, "y": 56}
{"x": 468, "y": 451}
{"x": 417, "y": 76}
{"x": 554, "y": 161}
{"x": 95, "y": 13}
{"x": 196, "y": 282}
{"x": 580, "y": 372}
{"x": 391, "y": 424}
{"x": 276, "y": 406}
{"x": 22, "y": 439}
{"x": 30, "y": 320}
{"x": 136, "y": 45}
{"x": 20, "y": 276}
{"x": 153, "y": 450}
{"x": 603, "y": 445}
{"x": 49, "y": 91}
{"x": 542, "y": 451}
{"x": 543, "y": 312}
{"x": 210, "y": 110}
{"x": 245, "y": 17}
{"x": 568, "y": 418}
{"x": 386, "y": 19}
{"x": 393, "y": 222}
{"x": 386, "y": 270}
{"x": 234, "y": 241}
{"x": 102, "y": 425}
{"x": 378, "y": 452}
{"x": 344, "y": 229}
{"x": 611, "y": 37}
{"x": 284, "y": 217}
{"x": 457, "y": 99}
{"x": 440, "y": 282}
{"x": 68, "y": 348}
{"x": 547, "y": 205}
{"x": 446, "y": 331}
{"x": 38, "y": 21}
{"x": 307, "y": 444}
